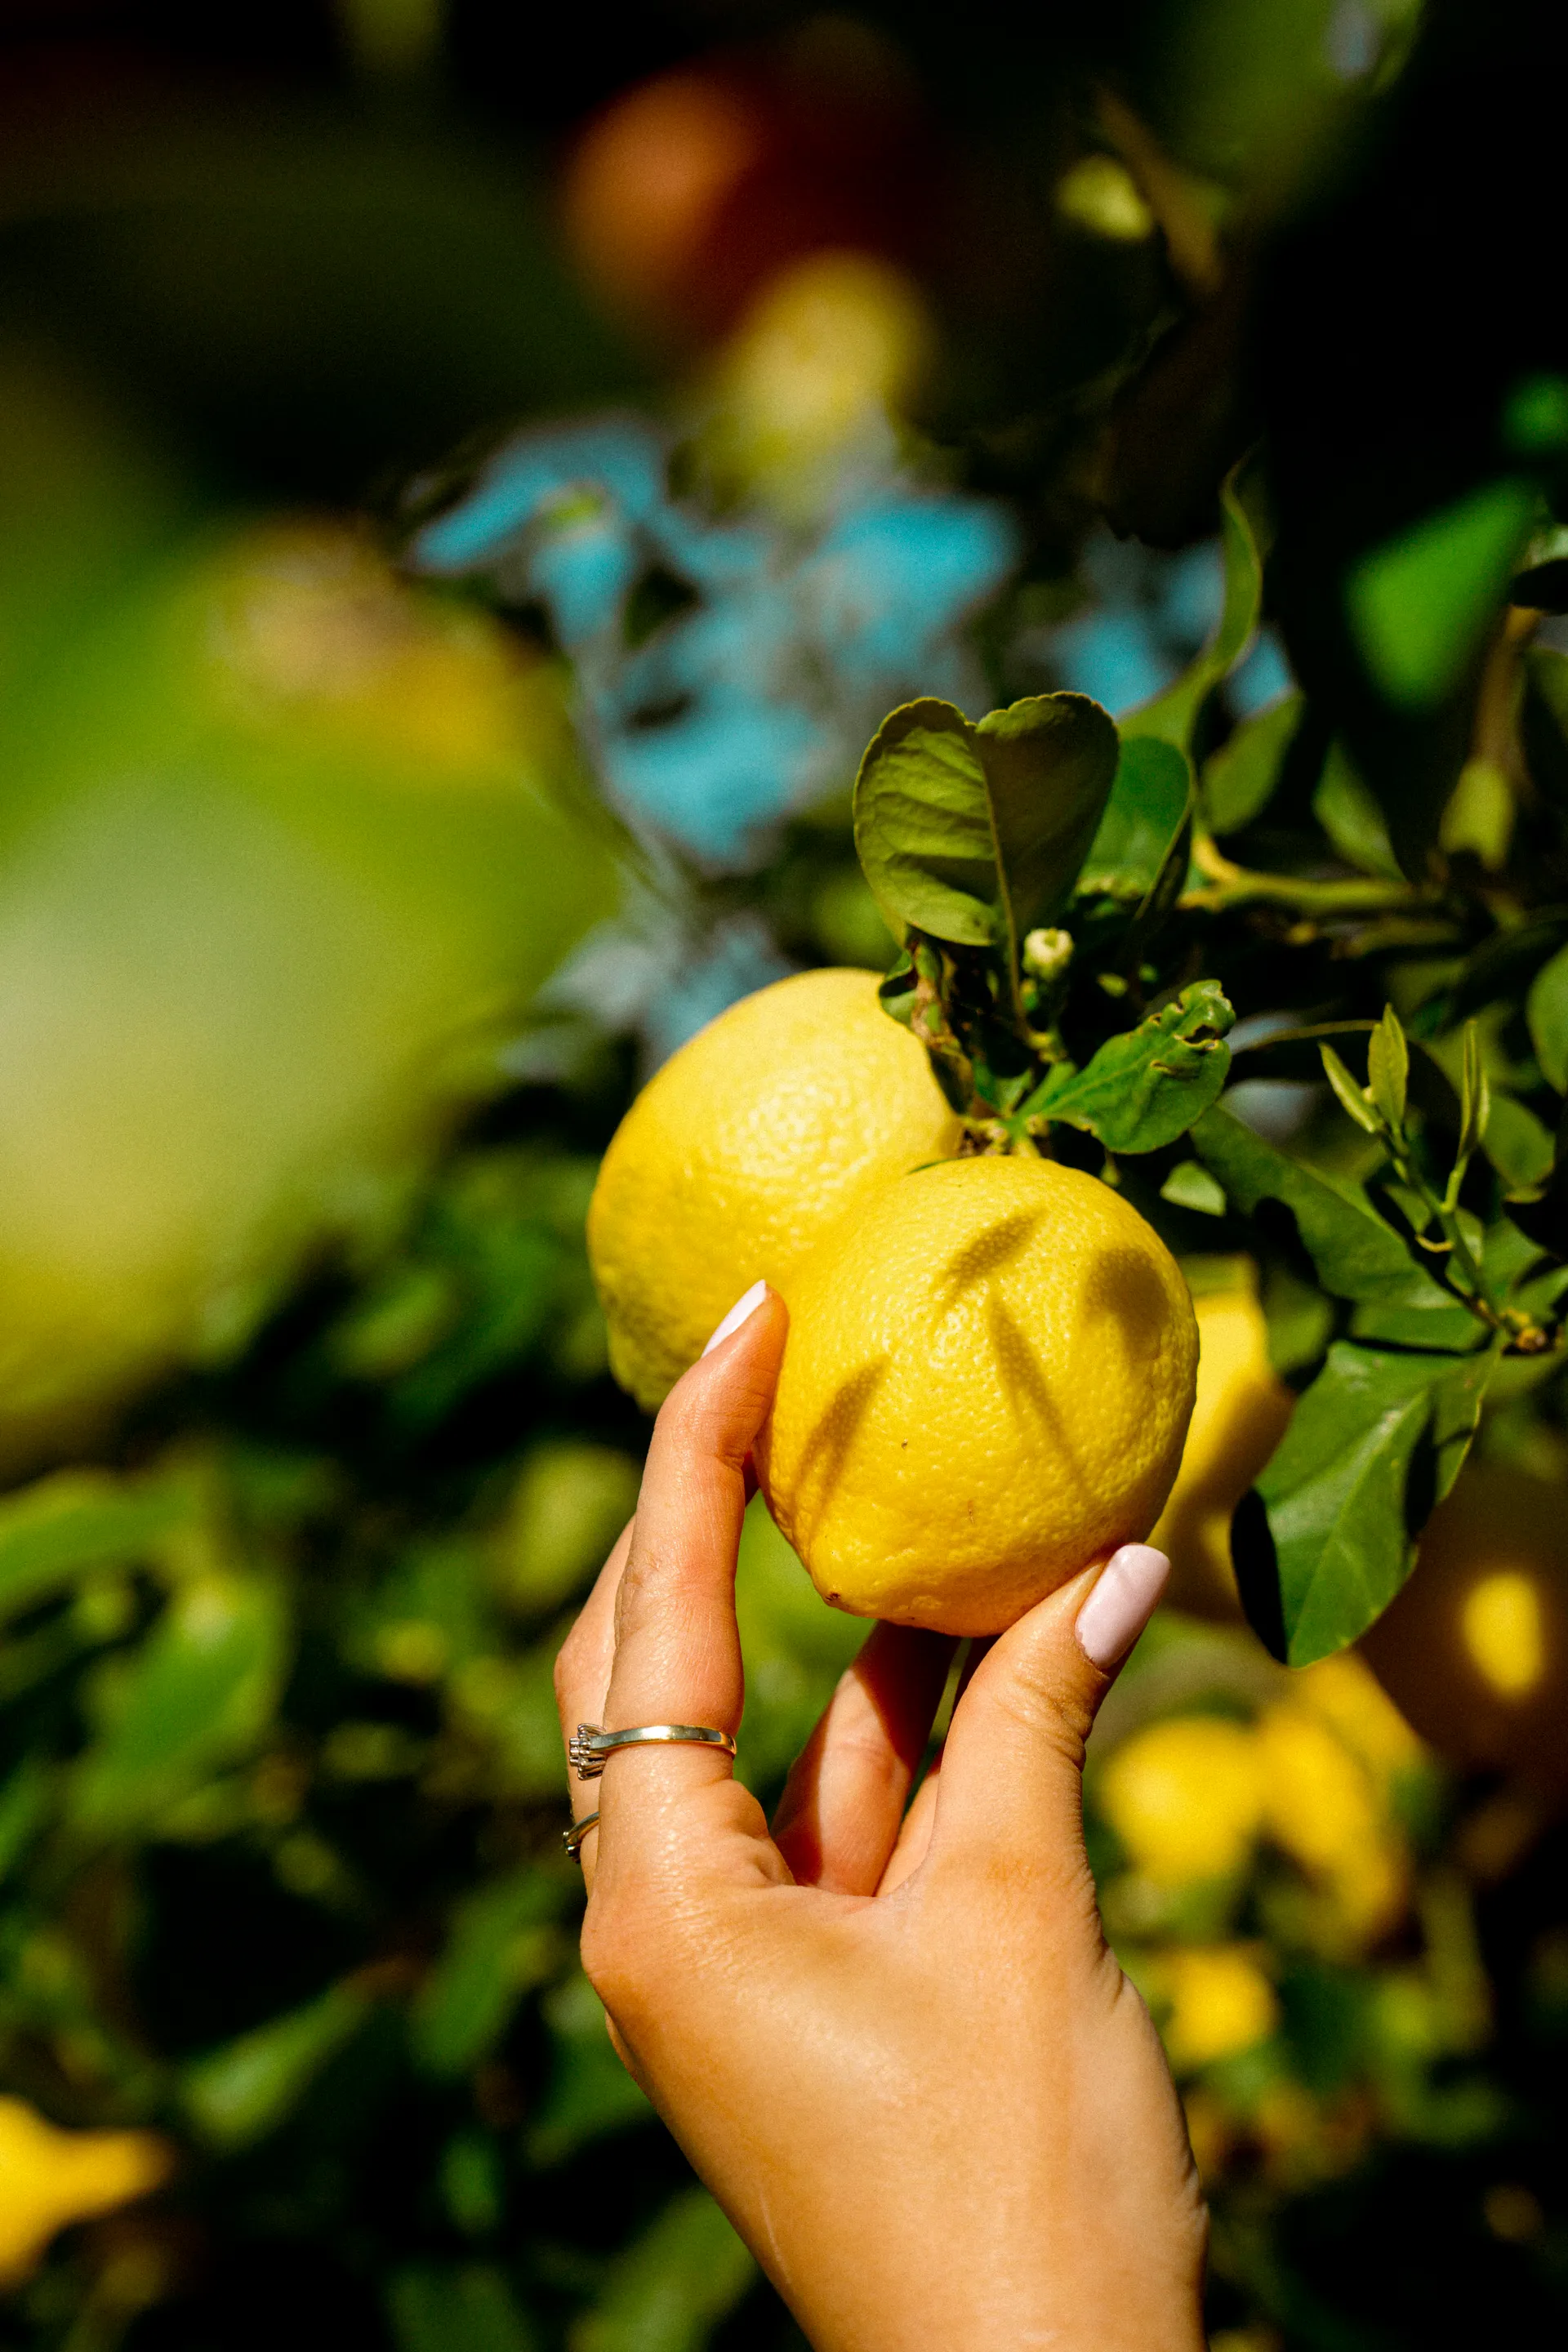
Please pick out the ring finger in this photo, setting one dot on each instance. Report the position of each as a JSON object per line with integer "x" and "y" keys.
{"x": 583, "y": 1674}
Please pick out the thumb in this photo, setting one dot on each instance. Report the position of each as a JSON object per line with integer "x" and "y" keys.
{"x": 1013, "y": 1764}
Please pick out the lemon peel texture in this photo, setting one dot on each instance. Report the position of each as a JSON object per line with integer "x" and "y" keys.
{"x": 750, "y": 1144}
{"x": 986, "y": 1386}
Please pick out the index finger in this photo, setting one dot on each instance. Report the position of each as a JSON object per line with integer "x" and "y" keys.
{"x": 678, "y": 1647}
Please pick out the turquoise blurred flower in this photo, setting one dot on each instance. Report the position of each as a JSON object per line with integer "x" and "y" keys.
{"x": 780, "y": 650}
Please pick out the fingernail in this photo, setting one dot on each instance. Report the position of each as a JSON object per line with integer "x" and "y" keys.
{"x": 747, "y": 1304}
{"x": 1121, "y": 1603}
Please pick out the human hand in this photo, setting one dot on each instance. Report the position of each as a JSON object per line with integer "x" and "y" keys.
{"x": 895, "y": 2046}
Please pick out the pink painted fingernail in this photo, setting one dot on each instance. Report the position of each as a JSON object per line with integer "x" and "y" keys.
{"x": 1121, "y": 1603}
{"x": 747, "y": 1304}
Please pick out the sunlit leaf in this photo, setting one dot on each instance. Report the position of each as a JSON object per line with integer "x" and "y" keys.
{"x": 672, "y": 2285}
{"x": 1388, "y": 1068}
{"x": 1150, "y": 797}
{"x": 198, "y": 1694}
{"x": 1049, "y": 762}
{"x": 1546, "y": 1010}
{"x": 1519, "y": 1147}
{"x": 1145, "y": 1087}
{"x": 1356, "y": 1254}
{"x": 1337, "y": 1489}
{"x": 1174, "y": 714}
{"x": 1240, "y": 779}
{"x": 1475, "y": 1097}
{"x": 587, "y": 2092}
{"x": 469, "y": 2307}
{"x": 1419, "y": 604}
{"x": 1349, "y": 1096}
{"x": 504, "y": 1941}
{"x": 1351, "y": 818}
{"x": 237, "y": 2094}
{"x": 24, "y": 1808}
{"x": 975, "y": 835}
{"x": 66, "y": 1526}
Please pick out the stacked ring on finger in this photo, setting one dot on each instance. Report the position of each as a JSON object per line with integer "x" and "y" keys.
{"x": 590, "y": 1747}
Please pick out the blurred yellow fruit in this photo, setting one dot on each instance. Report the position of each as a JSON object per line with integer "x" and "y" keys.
{"x": 1099, "y": 195}
{"x": 985, "y": 1387}
{"x": 283, "y": 856}
{"x": 1218, "y": 2001}
{"x": 1321, "y": 1806}
{"x": 1238, "y": 1419}
{"x": 1185, "y": 1798}
{"x": 49, "y": 2178}
{"x": 1473, "y": 1652}
{"x": 750, "y": 1145}
{"x": 1347, "y": 1695}
{"x": 826, "y": 351}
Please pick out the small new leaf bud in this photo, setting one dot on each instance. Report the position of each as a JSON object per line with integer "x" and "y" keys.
{"x": 1047, "y": 953}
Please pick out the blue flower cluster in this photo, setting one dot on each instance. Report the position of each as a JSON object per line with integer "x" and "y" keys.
{"x": 780, "y": 650}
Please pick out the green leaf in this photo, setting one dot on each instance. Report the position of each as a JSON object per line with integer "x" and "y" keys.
{"x": 1146, "y": 1087}
{"x": 1357, "y": 1256}
{"x": 1420, "y": 603}
{"x": 78, "y": 1521}
{"x": 1049, "y": 762}
{"x": 1388, "y": 1068}
{"x": 1351, "y": 1096}
{"x": 1174, "y": 714}
{"x": 24, "y": 1808}
{"x": 236, "y": 2094}
{"x": 587, "y": 2093}
{"x": 1546, "y": 1010}
{"x": 1148, "y": 801}
{"x": 1350, "y": 815}
{"x": 671, "y": 2288}
{"x": 503, "y": 1942}
{"x": 922, "y": 824}
{"x": 1519, "y": 1147}
{"x": 198, "y": 1694}
{"x": 467, "y": 2308}
{"x": 1189, "y": 1185}
{"x": 1240, "y": 779}
{"x": 1475, "y": 1097}
{"x": 1160, "y": 899}
{"x": 1337, "y": 1489}
{"x": 975, "y": 835}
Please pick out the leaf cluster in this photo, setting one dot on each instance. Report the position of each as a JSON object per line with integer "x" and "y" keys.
{"x": 1084, "y": 911}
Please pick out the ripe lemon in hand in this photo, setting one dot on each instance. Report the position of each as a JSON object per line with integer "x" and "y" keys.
{"x": 985, "y": 1387}
{"x": 750, "y": 1145}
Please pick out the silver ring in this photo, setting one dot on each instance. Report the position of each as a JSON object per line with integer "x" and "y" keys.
{"x": 591, "y": 1747}
{"x": 571, "y": 1839}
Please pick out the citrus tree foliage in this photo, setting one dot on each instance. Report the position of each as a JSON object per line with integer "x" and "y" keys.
{"x": 1060, "y": 884}
{"x": 281, "y": 1891}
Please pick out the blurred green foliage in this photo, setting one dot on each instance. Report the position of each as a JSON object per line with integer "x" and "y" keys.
{"x": 302, "y": 1386}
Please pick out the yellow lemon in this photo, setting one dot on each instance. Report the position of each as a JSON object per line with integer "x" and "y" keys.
{"x": 1473, "y": 1652}
{"x": 49, "y": 2178}
{"x": 1185, "y": 1797}
{"x": 1324, "y": 1807}
{"x": 748, "y": 1147}
{"x": 1217, "y": 2002}
{"x": 1238, "y": 1419}
{"x": 985, "y": 1387}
